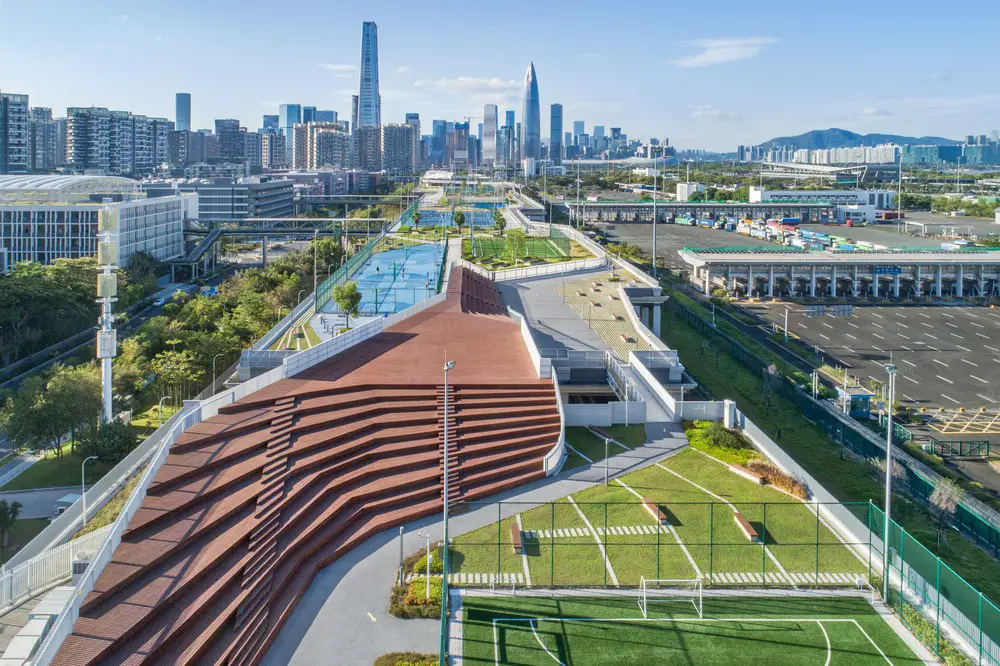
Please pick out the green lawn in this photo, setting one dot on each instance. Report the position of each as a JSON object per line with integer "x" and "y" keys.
{"x": 583, "y": 631}
{"x": 54, "y": 471}
{"x": 24, "y": 530}
{"x": 704, "y": 539}
{"x": 592, "y": 445}
{"x": 848, "y": 479}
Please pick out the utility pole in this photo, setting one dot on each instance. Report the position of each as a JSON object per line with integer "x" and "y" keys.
{"x": 315, "y": 257}
{"x": 107, "y": 292}
{"x": 442, "y": 660}
{"x": 656, "y": 172}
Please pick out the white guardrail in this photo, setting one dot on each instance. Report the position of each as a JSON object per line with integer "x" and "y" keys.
{"x": 46, "y": 570}
{"x": 554, "y": 459}
{"x": 195, "y": 412}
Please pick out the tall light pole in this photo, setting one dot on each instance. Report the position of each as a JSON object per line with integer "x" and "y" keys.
{"x": 160, "y": 416}
{"x": 213, "y": 369}
{"x": 83, "y": 486}
{"x": 448, "y": 365}
{"x": 891, "y": 369}
{"x": 301, "y": 291}
{"x": 656, "y": 171}
{"x": 315, "y": 257}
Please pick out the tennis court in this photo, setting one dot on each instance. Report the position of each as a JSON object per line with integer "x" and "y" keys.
{"x": 535, "y": 246}
{"x": 479, "y": 217}
{"x": 566, "y": 630}
{"x": 393, "y": 280}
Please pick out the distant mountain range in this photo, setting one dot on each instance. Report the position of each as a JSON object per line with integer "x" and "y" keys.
{"x": 841, "y": 138}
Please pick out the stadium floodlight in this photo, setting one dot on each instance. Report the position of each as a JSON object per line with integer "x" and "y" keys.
{"x": 670, "y": 590}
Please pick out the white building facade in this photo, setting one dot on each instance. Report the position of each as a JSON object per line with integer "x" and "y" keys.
{"x": 879, "y": 199}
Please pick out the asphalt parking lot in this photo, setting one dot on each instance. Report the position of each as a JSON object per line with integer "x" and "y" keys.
{"x": 672, "y": 237}
{"x": 946, "y": 356}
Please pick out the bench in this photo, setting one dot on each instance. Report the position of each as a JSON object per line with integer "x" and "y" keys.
{"x": 748, "y": 474}
{"x": 655, "y": 511}
{"x": 515, "y": 539}
{"x": 627, "y": 339}
{"x": 595, "y": 283}
{"x": 596, "y": 304}
{"x": 748, "y": 531}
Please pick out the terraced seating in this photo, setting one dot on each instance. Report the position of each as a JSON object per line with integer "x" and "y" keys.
{"x": 251, "y": 504}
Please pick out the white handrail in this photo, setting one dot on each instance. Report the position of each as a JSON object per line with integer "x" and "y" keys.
{"x": 554, "y": 458}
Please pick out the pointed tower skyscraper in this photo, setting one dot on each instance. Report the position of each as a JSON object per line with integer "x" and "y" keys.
{"x": 531, "y": 117}
{"x": 369, "y": 99}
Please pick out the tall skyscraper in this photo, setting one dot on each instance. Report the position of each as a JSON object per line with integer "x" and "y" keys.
{"x": 489, "y": 134}
{"x": 183, "y": 112}
{"x": 14, "y": 131}
{"x": 578, "y": 129}
{"x": 288, "y": 116}
{"x": 531, "y": 117}
{"x": 439, "y": 138}
{"x": 232, "y": 139}
{"x": 308, "y": 114}
{"x": 369, "y": 100}
{"x": 325, "y": 116}
{"x": 555, "y": 134}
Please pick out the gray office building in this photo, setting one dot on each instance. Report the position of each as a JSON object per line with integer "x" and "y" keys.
{"x": 555, "y": 134}
{"x": 224, "y": 199}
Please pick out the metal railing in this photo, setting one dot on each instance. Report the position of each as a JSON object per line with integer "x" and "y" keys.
{"x": 619, "y": 380}
{"x": 45, "y": 570}
{"x": 279, "y": 329}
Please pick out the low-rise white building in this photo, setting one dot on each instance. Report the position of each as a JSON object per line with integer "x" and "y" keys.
{"x": 686, "y": 190}
{"x": 880, "y": 199}
{"x": 43, "y": 218}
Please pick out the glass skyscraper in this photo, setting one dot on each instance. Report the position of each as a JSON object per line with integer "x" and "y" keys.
{"x": 369, "y": 101}
{"x": 490, "y": 133}
{"x": 555, "y": 134}
{"x": 288, "y": 116}
{"x": 183, "y": 112}
{"x": 531, "y": 117}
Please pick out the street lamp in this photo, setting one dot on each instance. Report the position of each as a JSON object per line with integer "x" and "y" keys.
{"x": 213, "y": 369}
{"x": 301, "y": 291}
{"x": 448, "y": 365}
{"x": 315, "y": 257}
{"x": 161, "y": 408}
{"x": 427, "y": 537}
{"x": 891, "y": 369}
{"x": 83, "y": 486}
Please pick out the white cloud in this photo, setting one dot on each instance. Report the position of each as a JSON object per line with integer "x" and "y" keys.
{"x": 335, "y": 68}
{"x": 873, "y": 111}
{"x": 709, "y": 112}
{"x": 720, "y": 50}
{"x": 403, "y": 70}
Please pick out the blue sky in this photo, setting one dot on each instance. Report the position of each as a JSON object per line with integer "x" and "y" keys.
{"x": 708, "y": 74}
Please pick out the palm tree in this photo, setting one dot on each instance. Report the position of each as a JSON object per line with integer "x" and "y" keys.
{"x": 8, "y": 516}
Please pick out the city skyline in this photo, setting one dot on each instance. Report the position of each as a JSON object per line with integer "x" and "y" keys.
{"x": 709, "y": 86}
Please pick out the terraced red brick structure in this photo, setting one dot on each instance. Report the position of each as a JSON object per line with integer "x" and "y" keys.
{"x": 253, "y": 502}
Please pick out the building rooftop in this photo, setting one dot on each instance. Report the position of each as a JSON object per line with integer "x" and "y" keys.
{"x": 61, "y": 187}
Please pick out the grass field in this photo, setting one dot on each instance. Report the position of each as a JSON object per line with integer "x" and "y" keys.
{"x": 55, "y": 471}
{"x": 583, "y": 442}
{"x": 582, "y": 631}
{"x": 566, "y": 541}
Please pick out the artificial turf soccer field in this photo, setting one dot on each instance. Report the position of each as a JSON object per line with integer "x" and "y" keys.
{"x": 489, "y": 248}
{"x": 582, "y": 631}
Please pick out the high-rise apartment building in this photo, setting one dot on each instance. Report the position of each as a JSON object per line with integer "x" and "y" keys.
{"x": 531, "y": 120}
{"x": 288, "y": 116}
{"x": 489, "y": 134}
{"x": 369, "y": 99}
{"x": 272, "y": 150}
{"x": 368, "y": 148}
{"x": 14, "y": 134}
{"x": 231, "y": 138}
{"x": 42, "y": 138}
{"x": 354, "y": 112}
{"x": 397, "y": 148}
{"x": 458, "y": 145}
{"x": 328, "y": 146}
{"x": 182, "y": 112}
{"x": 555, "y": 134}
{"x": 413, "y": 120}
{"x": 115, "y": 142}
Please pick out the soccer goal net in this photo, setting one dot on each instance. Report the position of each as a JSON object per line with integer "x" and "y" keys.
{"x": 654, "y": 591}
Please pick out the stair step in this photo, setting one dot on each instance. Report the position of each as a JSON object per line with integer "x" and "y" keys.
{"x": 259, "y": 566}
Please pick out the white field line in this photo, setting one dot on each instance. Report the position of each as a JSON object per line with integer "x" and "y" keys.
{"x": 524, "y": 556}
{"x": 610, "y": 439}
{"x": 829, "y": 648}
{"x": 532, "y": 623}
{"x": 600, "y": 546}
{"x": 731, "y": 506}
{"x": 677, "y": 537}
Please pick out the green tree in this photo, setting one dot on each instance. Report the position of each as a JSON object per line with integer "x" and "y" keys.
{"x": 515, "y": 245}
{"x": 416, "y": 219}
{"x": 458, "y": 217}
{"x": 110, "y": 442}
{"x": 347, "y": 297}
{"x": 328, "y": 253}
{"x": 75, "y": 392}
{"x": 32, "y": 419}
{"x": 499, "y": 221}
{"x": 8, "y": 516}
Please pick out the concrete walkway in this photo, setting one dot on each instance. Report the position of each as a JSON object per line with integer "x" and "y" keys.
{"x": 343, "y": 612}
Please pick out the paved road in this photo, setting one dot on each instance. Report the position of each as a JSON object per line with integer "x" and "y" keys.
{"x": 946, "y": 356}
{"x": 40, "y": 502}
{"x": 343, "y": 612}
